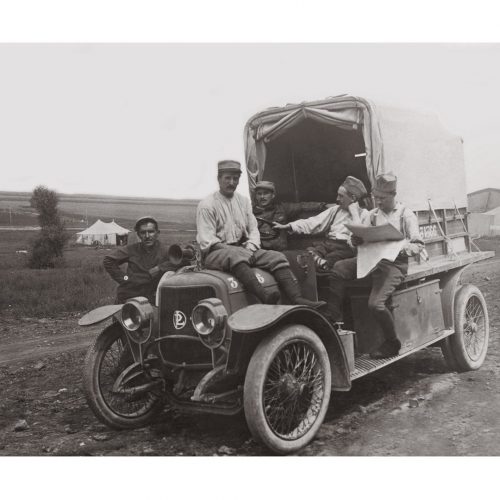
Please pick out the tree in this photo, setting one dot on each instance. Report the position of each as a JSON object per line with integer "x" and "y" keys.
{"x": 47, "y": 247}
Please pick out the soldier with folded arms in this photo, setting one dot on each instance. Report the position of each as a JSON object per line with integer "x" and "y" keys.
{"x": 267, "y": 211}
{"x": 146, "y": 262}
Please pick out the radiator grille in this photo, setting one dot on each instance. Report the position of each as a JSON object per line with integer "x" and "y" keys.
{"x": 176, "y": 305}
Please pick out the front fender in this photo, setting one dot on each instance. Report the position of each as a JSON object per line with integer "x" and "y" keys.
{"x": 263, "y": 319}
{"x": 100, "y": 314}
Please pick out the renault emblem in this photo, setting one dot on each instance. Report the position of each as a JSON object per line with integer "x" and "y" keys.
{"x": 179, "y": 320}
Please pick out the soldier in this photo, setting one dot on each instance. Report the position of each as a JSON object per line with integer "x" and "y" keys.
{"x": 387, "y": 275}
{"x": 337, "y": 244}
{"x": 146, "y": 262}
{"x": 229, "y": 240}
{"x": 267, "y": 212}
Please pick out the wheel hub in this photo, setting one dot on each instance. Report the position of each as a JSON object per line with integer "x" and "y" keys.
{"x": 290, "y": 386}
{"x": 472, "y": 326}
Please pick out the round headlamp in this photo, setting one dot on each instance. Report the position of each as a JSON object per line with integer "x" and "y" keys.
{"x": 209, "y": 320}
{"x": 136, "y": 313}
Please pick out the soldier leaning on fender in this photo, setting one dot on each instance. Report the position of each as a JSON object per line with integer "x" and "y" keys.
{"x": 146, "y": 262}
{"x": 229, "y": 240}
{"x": 337, "y": 245}
{"x": 387, "y": 275}
{"x": 267, "y": 212}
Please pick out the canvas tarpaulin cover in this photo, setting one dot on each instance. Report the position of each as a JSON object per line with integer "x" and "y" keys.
{"x": 427, "y": 159}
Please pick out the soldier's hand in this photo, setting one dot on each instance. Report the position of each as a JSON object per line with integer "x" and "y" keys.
{"x": 356, "y": 240}
{"x": 277, "y": 225}
{"x": 353, "y": 208}
{"x": 248, "y": 245}
{"x": 154, "y": 271}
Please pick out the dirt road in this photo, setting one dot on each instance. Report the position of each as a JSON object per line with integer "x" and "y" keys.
{"x": 413, "y": 407}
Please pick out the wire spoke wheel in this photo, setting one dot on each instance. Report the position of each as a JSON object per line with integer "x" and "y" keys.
{"x": 466, "y": 348}
{"x": 474, "y": 328}
{"x": 293, "y": 391}
{"x": 127, "y": 399}
{"x": 287, "y": 388}
{"x": 116, "y": 389}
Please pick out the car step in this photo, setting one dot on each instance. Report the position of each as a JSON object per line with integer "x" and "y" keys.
{"x": 364, "y": 364}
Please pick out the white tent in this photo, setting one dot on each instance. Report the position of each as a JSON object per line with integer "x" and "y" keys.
{"x": 103, "y": 233}
{"x": 485, "y": 224}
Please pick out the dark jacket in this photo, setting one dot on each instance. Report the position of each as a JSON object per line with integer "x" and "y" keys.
{"x": 274, "y": 239}
{"x": 139, "y": 261}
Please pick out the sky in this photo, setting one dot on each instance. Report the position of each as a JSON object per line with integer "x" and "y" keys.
{"x": 154, "y": 119}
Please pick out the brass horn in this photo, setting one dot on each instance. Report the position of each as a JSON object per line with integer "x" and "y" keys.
{"x": 177, "y": 254}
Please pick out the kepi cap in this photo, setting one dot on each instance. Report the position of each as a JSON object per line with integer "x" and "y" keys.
{"x": 354, "y": 187}
{"x": 145, "y": 220}
{"x": 229, "y": 166}
{"x": 265, "y": 185}
{"x": 385, "y": 184}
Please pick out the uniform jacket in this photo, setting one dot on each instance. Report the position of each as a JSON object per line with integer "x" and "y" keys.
{"x": 139, "y": 261}
{"x": 275, "y": 239}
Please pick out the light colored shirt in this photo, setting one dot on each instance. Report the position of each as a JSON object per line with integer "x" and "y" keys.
{"x": 332, "y": 219}
{"x": 220, "y": 219}
{"x": 404, "y": 220}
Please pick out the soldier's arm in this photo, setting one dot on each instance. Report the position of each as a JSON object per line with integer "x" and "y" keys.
{"x": 113, "y": 261}
{"x": 293, "y": 210}
{"x": 206, "y": 226}
{"x": 414, "y": 244}
{"x": 253, "y": 230}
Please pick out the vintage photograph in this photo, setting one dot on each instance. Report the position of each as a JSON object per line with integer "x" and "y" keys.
{"x": 249, "y": 249}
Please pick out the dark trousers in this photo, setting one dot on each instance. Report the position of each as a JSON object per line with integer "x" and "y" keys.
{"x": 225, "y": 259}
{"x": 333, "y": 251}
{"x": 386, "y": 277}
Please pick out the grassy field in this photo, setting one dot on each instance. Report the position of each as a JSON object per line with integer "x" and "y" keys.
{"x": 79, "y": 285}
{"x": 172, "y": 214}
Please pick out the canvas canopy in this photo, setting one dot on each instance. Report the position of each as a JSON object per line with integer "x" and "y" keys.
{"x": 308, "y": 149}
{"x": 104, "y": 233}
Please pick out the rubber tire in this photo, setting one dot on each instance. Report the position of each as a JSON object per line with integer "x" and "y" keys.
{"x": 453, "y": 347}
{"x": 254, "y": 384}
{"x": 92, "y": 389}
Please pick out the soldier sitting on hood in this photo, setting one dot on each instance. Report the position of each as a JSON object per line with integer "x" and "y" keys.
{"x": 337, "y": 244}
{"x": 267, "y": 212}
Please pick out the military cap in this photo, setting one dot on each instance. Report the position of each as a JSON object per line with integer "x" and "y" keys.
{"x": 229, "y": 166}
{"x": 354, "y": 187}
{"x": 265, "y": 185}
{"x": 145, "y": 220}
{"x": 385, "y": 184}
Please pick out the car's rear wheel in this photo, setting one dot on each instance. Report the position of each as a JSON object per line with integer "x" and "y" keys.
{"x": 466, "y": 348}
{"x": 287, "y": 389}
{"x": 120, "y": 395}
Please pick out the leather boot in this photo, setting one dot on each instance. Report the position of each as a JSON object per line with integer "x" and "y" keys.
{"x": 290, "y": 288}
{"x": 244, "y": 273}
{"x": 391, "y": 345}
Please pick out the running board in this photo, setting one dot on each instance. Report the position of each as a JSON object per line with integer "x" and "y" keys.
{"x": 364, "y": 364}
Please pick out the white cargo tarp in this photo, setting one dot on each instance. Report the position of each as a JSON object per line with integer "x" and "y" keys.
{"x": 427, "y": 159}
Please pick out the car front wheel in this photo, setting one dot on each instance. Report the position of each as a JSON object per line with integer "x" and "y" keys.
{"x": 287, "y": 389}
{"x": 117, "y": 393}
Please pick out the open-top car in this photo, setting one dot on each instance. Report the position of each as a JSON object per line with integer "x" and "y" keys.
{"x": 208, "y": 345}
